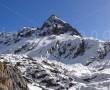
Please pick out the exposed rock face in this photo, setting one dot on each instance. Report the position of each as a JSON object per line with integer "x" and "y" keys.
{"x": 52, "y": 26}
{"x": 11, "y": 79}
{"x": 56, "y": 26}
{"x": 27, "y": 32}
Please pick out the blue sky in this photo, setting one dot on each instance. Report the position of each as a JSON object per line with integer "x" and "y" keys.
{"x": 90, "y": 17}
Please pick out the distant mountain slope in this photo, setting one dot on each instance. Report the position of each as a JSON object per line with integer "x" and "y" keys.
{"x": 64, "y": 48}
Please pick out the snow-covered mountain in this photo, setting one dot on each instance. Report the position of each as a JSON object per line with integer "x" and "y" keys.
{"x": 57, "y": 57}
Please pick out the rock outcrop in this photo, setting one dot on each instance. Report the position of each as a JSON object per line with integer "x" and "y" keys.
{"x": 11, "y": 78}
{"x": 54, "y": 25}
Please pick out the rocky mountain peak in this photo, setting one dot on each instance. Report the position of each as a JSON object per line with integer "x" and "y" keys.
{"x": 54, "y": 18}
{"x": 55, "y": 25}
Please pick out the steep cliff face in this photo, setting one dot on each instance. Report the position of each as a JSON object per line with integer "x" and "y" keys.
{"x": 52, "y": 26}
{"x": 11, "y": 78}
{"x": 55, "y": 26}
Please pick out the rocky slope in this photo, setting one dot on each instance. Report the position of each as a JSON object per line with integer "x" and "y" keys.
{"x": 11, "y": 78}
{"x": 43, "y": 74}
{"x": 57, "y": 57}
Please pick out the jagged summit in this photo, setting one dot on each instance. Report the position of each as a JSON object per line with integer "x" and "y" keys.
{"x": 54, "y": 25}
{"x": 55, "y": 18}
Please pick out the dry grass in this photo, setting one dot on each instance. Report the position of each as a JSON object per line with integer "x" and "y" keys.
{"x": 5, "y": 80}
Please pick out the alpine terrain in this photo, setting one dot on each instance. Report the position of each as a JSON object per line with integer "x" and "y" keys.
{"x": 53, "y": 57}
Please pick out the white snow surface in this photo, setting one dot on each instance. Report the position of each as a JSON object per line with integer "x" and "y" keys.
{"x": 31, "y": 87}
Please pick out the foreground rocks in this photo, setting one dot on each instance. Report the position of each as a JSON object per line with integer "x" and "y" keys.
{"x": 11, "y": 78}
